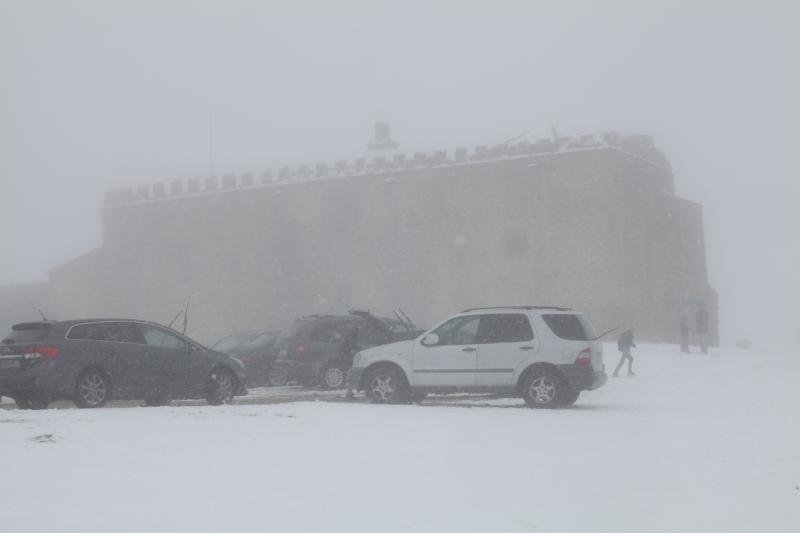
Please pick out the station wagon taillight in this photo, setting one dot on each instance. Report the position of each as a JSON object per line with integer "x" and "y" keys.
{"x": 585, "y": 357}
{"x": 43, "y": 352}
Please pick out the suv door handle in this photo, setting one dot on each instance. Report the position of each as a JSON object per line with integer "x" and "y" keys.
{"x": 526, "y": 347}
{"x": 468, "y": 349}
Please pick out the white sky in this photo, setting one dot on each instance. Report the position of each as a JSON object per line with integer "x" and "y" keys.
{"x": 99, "y": 94}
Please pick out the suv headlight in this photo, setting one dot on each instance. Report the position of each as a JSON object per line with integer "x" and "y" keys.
{"x": 357, "y": 359}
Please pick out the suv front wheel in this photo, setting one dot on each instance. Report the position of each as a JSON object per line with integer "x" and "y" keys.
{"x": 544, "y": 389}
{"x": 384, "y": 384}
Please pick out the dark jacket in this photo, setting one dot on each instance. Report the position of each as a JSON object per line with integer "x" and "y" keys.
{"x": 684, "y": 326}
{"x": 625, "y": 341}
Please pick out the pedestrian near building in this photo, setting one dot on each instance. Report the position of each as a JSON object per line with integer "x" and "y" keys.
{"x": 625, "y": 343}
{"x": 701, "y": 328}
{"x": 685, "y": 329}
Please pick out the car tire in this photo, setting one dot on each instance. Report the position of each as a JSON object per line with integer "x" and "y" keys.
{"x": 92, "y": 389}
{"x": 277, "y": 378}
{"x": 544, "y": 389}
{"x": 570, "y": 397}
{"x": 221, "y": 387}
{"x": 32, "y": 402}
{"x": 333, "y": 377}
{"x": 385, "y": 384}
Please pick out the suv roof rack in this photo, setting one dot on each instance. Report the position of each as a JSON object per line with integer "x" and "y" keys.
{"x": 528, "y": 307}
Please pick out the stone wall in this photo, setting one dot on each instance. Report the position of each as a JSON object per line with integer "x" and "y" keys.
{"x": 590, "y": 223}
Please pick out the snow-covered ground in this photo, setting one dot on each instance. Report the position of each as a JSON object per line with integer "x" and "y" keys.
{"x": 692, "y": 444}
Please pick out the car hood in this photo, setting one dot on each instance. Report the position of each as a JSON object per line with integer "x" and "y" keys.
{"x": 395, "y": 348}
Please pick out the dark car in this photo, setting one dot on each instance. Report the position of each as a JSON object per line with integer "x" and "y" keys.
{"x": 92, "y": 361}
{"x": 318, "y": 350}
{"x": 254, "y": 349}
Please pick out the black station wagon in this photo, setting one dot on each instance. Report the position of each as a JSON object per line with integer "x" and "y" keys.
{"x": 94, "y": 360}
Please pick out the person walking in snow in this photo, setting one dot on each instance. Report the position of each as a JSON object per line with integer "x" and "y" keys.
{"x": 685, "y": 329}
{"x": 625, "y": 343}
{"x": 701, "y": 328}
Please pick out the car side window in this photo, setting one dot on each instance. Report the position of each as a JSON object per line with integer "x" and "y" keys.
{"x": 331, "y": 331}
{"x": 123, "y": 332}
{"x": 459, "y": 330}
{"x": 367, "y": 336}
{"x": 159, "y": 338}
{"x": 509, "y": 327}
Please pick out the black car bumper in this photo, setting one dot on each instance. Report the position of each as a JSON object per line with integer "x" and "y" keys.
{"x": 583, "y": 377}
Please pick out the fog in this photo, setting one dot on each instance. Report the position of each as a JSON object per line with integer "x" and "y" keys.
{"x": 97, "y": 95}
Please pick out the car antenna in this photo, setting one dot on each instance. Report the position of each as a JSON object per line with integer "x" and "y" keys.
{"x": 400, "y": 319}
{"x": 185, "y": 317}
{"x": 43, "y": 317}
{"x": 174, "y": 319}
{"x": 406, "y": 317}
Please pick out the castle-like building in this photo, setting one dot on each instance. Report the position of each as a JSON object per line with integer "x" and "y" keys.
{"x": 589, "y": 222}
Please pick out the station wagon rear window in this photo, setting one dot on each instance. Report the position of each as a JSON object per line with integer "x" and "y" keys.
{"x": 570, "y": 327}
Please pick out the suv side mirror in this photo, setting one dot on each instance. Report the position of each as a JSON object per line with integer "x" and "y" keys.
{"x": 431, "y": 339}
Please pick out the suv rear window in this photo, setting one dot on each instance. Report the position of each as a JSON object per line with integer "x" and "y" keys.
{"x": 28, "y": 332}
{"x": 570, "y": 327}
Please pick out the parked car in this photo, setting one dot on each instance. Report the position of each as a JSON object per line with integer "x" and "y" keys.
{"x": 548, "y": 355}
{"x": 94, "y": 361}
{"x": 318, "y": 349}
{"x": 254, "y": 349}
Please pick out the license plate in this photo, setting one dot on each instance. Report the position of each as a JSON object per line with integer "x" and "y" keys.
{"x": 13, "y": 363}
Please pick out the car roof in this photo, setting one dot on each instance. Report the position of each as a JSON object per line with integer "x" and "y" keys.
{"x": 74, "y": 321}
{"x": 551, "y": 308}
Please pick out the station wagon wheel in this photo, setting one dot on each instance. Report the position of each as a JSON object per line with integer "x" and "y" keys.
{"x": 333, "y": 377}
{"x": 385, "y": 385}
{"x": 221, "y": 387}
{"x": 543, "y": 389}
{"x": 92, "y": 389}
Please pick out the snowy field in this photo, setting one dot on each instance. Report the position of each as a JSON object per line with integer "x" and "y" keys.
{"x": 692, "y": 444}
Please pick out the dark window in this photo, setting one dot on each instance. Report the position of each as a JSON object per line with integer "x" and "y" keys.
{"x": 107, "y": 331}
{"x": 368, "y": 336}
{"x": 569, "y": 327}
{"x": 123, "y": 332}
{"x": 28, "y": 332}
{"x": 331, "y": 331}
{"x": 160, "y": 338}
{"x": 460, "y": 330}
{"x": 505, "y": 328}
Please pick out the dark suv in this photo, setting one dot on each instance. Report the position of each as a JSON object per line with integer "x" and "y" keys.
{"x": 318, "y": 350}
{"x": 93, "y": 361}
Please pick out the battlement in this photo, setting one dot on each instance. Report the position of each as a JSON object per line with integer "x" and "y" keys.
{"x": 639, "y": 146}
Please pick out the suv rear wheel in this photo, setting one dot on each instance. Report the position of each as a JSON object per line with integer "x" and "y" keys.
{"x": 544, "y": 389}
{"x": 333, "y": 377}
{"x": 92, "y": 389}
{"x": 384, "y": 384}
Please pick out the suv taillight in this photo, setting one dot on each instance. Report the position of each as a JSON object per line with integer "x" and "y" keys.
{"x": 43, "y": 352}
{"x": 585, "y": 357}
{"x": 300, "y": 351}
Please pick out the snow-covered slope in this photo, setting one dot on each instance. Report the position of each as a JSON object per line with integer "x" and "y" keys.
{"x": 692, "y": 444}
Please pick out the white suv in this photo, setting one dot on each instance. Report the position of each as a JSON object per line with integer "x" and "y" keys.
{"x": 548, "y": 355}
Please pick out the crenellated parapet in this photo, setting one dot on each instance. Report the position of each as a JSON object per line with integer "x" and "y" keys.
{"x": 640, "y": 146}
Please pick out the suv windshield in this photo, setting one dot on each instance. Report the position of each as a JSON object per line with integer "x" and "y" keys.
{"x": 570, "y": 327}
{"x": 28, "y": 332}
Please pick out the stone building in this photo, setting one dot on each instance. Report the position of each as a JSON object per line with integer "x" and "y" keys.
{"x": 590, "y": 223}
